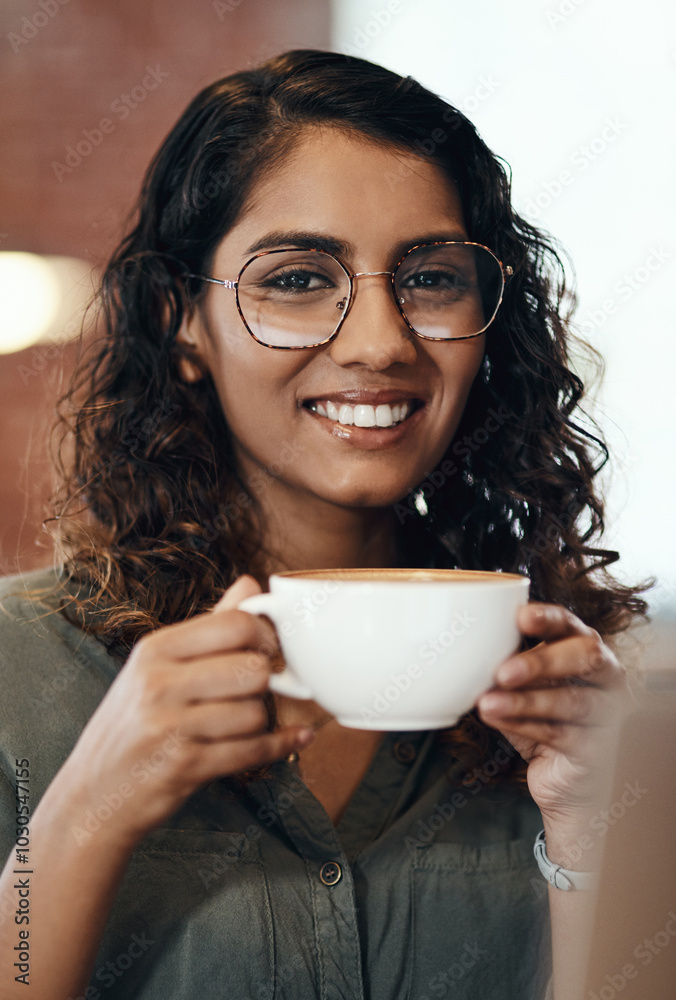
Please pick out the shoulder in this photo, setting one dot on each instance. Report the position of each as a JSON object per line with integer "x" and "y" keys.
{"x": 53, "y": 675}
{"x": 27, "y": 595}
{"x": 34, "y": 632}
{"x": 31, "y": 619}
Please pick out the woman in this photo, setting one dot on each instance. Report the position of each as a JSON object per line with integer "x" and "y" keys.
{"x": 196, "y": 835}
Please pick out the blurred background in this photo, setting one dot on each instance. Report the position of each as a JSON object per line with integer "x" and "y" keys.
{"x": 577, "y": 96}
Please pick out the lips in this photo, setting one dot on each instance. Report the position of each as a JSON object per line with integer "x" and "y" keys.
{"x": 372, "y": 397}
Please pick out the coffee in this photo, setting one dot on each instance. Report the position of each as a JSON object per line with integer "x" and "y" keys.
{"x": 397, "y": 574}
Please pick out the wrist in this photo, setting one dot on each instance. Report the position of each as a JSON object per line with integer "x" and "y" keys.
{"x": 559, "y": 876}
{"x": 572, "y": 841}
{"x": 70, "y": 821}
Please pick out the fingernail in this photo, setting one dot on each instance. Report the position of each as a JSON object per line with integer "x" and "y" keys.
{"x": 545, "y": 614}
{"x": 496, "y": 701}
{"x": 514, "y": 672}
{"x": 305, "y": 736}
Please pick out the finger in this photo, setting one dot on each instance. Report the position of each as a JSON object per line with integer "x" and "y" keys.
{"x": 575, "y": 742}
{"x": 570, "y": 705}
{"x": 209, "y": 721}
{"x": 549, "y": 621}
{"x": 210, "y": 633}
{"x": 232, "y": 756}
{"x": 580, "y": 659}
{"x": 244, "y": 586}
{"x": 229, "y": 676}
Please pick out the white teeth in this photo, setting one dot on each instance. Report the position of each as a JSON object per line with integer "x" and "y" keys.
{"x": 363, "y": 414}
{"x": 384, "y": 415}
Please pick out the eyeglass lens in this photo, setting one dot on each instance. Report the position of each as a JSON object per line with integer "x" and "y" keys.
{"x": 296, "y": 298}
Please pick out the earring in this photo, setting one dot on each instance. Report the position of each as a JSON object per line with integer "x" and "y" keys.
{"x": 420, "y": 502}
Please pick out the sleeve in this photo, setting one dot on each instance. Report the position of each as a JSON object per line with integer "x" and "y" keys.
{"x": 6, "y": 815}
{"x": 7, "y": 839}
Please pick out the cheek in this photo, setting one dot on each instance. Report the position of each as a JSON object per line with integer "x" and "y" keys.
{"x": 254, "y": 384}
{"x": 460, "y": 369}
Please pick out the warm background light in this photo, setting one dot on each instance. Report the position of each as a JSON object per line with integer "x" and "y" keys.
{"x": 29, "y": 300}
{"x": 42, "y": 299}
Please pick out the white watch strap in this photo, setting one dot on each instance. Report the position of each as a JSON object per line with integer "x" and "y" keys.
{"x": 561, "y": 878}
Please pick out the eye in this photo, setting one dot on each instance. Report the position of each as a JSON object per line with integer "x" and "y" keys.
{"x": 297, "y": 279}
{"x": 435, "y": 279}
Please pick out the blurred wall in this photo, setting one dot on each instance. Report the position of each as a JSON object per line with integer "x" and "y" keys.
{"x": 90, "y": 89}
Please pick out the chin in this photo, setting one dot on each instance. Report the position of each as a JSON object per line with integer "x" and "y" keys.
{"x": 365, "y": 495}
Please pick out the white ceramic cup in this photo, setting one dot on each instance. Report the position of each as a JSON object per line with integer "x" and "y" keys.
{"x": 392, "y": 649}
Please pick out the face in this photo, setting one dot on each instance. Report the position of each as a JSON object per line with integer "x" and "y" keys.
{"x": 374, "y": 203}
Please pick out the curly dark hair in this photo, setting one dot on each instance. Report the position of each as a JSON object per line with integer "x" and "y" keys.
{"x": 152, "y": 516}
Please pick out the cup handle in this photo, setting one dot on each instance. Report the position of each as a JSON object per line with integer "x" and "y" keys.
{"x": 286, "y": 682}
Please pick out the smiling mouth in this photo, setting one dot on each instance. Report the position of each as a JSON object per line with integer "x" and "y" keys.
{"x": 364, "y": 414}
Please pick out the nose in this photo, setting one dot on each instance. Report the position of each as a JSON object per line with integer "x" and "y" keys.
{"x": 374, "y": 332}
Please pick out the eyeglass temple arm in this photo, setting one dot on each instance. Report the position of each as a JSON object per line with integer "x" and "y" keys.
{"x": 214, "y": 281}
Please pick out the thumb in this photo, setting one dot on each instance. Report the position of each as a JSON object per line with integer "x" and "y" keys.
{"x": 244, "y": 586}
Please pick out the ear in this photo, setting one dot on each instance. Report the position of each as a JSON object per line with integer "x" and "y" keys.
{"x": 188, "y": 348}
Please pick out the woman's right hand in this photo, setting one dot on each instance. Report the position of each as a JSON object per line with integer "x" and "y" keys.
{"x": 186, "y": 708}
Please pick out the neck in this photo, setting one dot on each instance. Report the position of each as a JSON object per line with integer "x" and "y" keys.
{"x": 305, "y": 532}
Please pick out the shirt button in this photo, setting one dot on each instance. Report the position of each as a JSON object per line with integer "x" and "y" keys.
{"x": 330, "y": 873}
{"x": 404, "y": 751}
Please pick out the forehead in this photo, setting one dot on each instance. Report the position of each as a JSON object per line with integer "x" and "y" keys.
{"x": 353, "y": 188}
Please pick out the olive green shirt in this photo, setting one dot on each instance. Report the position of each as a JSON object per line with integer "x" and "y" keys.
{"x": 425, "y": 888}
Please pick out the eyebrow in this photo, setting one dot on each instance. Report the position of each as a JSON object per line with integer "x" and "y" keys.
{"x": 304, "y": 240}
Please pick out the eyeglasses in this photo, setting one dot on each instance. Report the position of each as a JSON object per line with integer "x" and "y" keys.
{"x": 295, "y": 299}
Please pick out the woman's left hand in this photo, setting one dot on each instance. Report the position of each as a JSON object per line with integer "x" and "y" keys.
{"x": 559, "y": 704}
